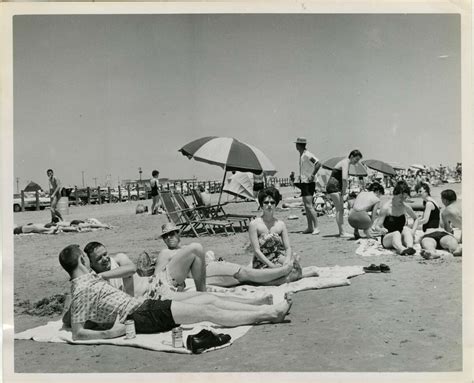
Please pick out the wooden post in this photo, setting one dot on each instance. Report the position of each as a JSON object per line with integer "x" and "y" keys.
{"x": 138, "y": 192}
{"x": 110, "y": 195}
{"x": 37, "y": 200}
{"x": 182, "y": 190}
{"x": 120, "y": 193}
{"x": 88, "y": 195}
{"x": 75, "y": 196}
{"x": 98, "y": 192}
{"x": 209, "y": 185}
{"x": 168, "y": 186}
{"x": 128, "y": 190}
{"x": 22, "y": 200}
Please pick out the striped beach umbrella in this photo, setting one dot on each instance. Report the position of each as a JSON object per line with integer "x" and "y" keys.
{"x": 230, "y": 154}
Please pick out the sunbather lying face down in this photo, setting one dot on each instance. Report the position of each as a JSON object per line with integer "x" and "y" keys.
{"x": 97, "y": 302}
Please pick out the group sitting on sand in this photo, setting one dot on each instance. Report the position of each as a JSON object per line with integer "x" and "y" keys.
{"x": 106, "y": 290}
{"x": 390, "y": 220}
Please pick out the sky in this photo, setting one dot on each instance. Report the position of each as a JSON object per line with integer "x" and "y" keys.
{"x": 105, "y": 95}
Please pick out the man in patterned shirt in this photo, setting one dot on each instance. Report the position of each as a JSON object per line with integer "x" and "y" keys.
{"x": 99, "y": 310}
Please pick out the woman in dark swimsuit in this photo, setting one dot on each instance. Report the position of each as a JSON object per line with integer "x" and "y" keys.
{"x": 337, "y": 186}
{"x": 392, "y": 221}
{"x": 435, "y": 238}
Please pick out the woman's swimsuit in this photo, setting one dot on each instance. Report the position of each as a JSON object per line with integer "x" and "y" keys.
{"x": 436, "y": 235}
{"x": 393, "y": 223}
{"x": 154, "y": 189}
{"x": 271, "y": 245}
{"x": 334, "y": 184}
{"x": 433, "y": 220}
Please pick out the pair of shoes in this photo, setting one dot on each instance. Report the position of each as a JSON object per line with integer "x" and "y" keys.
{"x": 409, "y": 251}
{"x": 373, "y": 268}
{"x": 204, "y": 340}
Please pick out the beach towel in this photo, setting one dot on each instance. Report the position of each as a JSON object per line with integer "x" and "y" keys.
{"x": 369, "y": 247}
{"x": 53, "y": 332}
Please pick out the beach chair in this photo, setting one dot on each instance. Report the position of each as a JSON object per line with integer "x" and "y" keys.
{"x": 186, "y": 217}
{"x": 217, "y": 212}
{"x": 200, "y": 215}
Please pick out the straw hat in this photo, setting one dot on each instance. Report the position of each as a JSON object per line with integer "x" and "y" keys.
{"x": 301, "y": 140}
{"x": 168, "y": 228}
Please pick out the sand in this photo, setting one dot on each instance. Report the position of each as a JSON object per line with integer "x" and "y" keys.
{"x": 408, "y": 320}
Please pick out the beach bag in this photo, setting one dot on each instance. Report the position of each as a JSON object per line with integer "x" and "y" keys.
{"x": 145, "y": 265}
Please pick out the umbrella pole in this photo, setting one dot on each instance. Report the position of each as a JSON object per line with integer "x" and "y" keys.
{"x": 222, "y": 186}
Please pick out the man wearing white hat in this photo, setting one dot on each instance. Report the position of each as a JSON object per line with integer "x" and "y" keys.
{"x": 308, "y": 166}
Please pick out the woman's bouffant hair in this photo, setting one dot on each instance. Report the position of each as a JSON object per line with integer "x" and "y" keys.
{"x": 401, "y": 188}
{"x": 355, "y": 153}
{"x": 269, "y": 192}
{"x": 376, "y": 187}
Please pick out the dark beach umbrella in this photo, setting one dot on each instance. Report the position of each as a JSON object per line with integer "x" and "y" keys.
{"x": 230, "y": 154}
{"x": 32, "y": 187}
{"x": 380, "y": 166}
{"x": 357, "y": 170}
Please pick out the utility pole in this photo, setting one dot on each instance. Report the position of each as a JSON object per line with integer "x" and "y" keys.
{"x": 140, "y": 172}
{"x": 83, "y": 179}
{"x": 95, "y": 180}
{"x": 17, "y": 180}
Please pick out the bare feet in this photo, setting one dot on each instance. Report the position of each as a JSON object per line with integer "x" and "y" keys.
{"x": 345, "y": 235}
{"x": 428, "y": 255}
{"x": 280, "y": 311}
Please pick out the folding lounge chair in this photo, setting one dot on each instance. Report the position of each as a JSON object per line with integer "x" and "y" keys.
{"x": 217, "y": 212}
{"x": 195, "y": 219}
{"x": 178, "y": 217}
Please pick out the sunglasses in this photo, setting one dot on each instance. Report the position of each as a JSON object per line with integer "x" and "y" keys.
{"x": 167, "y": 235}
{"x": 269, "y": 202}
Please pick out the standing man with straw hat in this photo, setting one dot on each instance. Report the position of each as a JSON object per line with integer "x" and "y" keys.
{"x": 308, "y": 167}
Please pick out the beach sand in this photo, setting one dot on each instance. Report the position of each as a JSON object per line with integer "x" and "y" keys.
{"x": 407, "y": 320}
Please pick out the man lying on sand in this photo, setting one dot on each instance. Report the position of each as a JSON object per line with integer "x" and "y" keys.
{"x": 60, "y": 226}
{"x": 120, "y": 272}
{"x": 99, "y": 310}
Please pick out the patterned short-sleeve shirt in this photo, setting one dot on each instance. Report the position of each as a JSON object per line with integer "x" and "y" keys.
{"x": 95, "y": 300}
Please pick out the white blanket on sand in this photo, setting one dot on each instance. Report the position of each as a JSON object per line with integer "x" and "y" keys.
{"x": 369, "y": 247}
{"x": 328, "y": 277}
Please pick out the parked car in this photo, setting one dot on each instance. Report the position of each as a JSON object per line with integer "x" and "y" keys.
{"x": 30, "y": 201}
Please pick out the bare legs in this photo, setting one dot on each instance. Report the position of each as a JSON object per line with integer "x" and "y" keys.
{"x": 311, "y": 215}
{"x": 54, "y": 211}
{"x": 339, "y": 205}
{"x": 401, "y": 242}
{"x": 448, "y": 243}
{"x": 190, "y": 258}
{"x": 193, "y": 311}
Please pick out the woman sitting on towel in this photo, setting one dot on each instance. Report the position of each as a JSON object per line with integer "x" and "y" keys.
{"x": 269, "y": 238}
{"x": 365, "y": 202}
{"x": 392, "y": 221}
